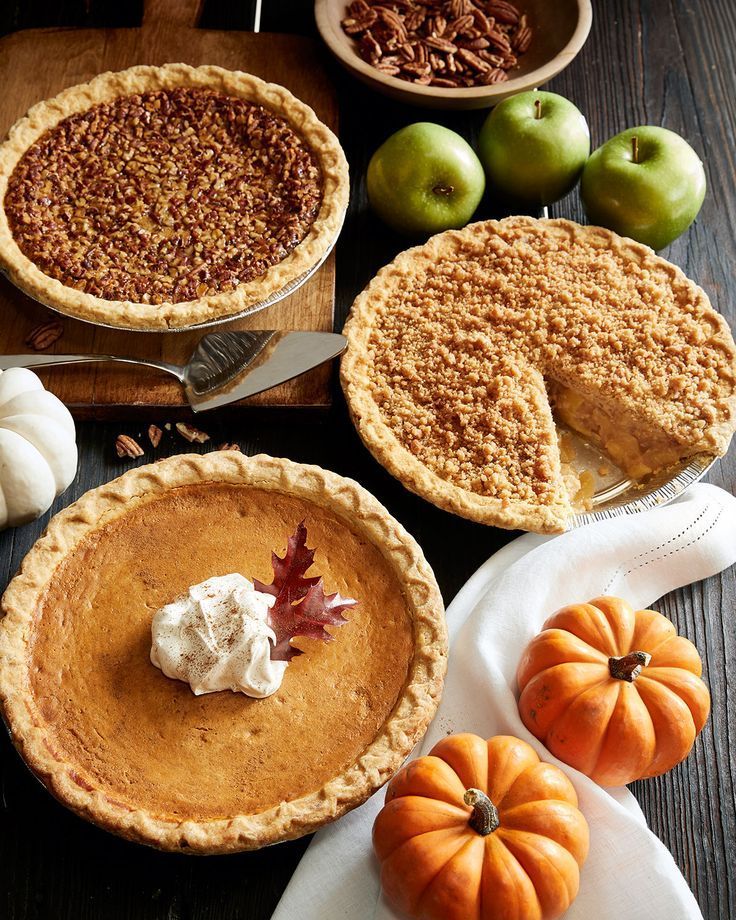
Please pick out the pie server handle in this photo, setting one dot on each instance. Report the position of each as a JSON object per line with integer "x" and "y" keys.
{"x": 8, "y": 361}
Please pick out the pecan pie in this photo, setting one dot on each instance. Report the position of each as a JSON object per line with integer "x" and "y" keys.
{"x": 461, "y": 352}
{"x": 165, "y": 196}
{"x": 137, "y": 752}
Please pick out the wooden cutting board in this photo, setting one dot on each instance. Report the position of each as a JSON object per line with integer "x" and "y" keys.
{"x": 36, "y": 64}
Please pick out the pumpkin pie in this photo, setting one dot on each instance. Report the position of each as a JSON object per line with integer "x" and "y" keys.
{"x": 464, "y": 352}
{"x": 137, "y": 752}
{"x": 159, "y": 197}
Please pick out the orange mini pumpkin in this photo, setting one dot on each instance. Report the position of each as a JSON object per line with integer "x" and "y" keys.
{"x": 614, "y": 692}
{"x": 481, "y": 829}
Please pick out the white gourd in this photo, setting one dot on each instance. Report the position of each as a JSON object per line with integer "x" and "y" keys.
{"x": 38, "y": 451}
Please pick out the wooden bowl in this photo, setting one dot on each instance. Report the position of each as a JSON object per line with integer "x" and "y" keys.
{"x": 560, "y": 31}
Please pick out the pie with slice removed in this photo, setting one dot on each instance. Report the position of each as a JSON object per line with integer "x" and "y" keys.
{"x": 464, "y": 351}
{"x": 137, "y": 752}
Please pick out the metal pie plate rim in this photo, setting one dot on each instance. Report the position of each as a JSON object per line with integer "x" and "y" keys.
{"x": 272, "y": 299}
{"x": 635, "y": 497}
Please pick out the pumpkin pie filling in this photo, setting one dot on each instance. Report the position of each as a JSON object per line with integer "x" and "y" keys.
{"x": 164, "y": 196}
{"x": 144, "y": 739}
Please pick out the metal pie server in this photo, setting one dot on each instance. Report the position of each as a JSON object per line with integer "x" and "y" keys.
{"x": 225, "y": 366}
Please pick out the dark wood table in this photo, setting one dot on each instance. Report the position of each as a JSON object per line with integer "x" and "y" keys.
{"x": 668, "y": 62}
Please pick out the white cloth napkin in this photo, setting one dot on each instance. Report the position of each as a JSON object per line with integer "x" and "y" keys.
{"x": 496, "y": 613}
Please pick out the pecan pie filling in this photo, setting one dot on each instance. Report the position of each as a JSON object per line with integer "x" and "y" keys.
{"x": 164, "y": 196}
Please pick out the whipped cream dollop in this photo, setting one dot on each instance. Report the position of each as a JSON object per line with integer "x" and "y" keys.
{"x": 217, "y": 637}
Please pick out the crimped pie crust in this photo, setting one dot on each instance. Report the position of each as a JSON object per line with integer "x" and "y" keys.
{"x": 450, "y": 345}
{"x": 141, "y": 79}
{"x": 342, "y": 497}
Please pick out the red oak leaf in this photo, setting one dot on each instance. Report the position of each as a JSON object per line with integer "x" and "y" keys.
{"x": 288, "y": 573}
{"x": 301, "y": 608}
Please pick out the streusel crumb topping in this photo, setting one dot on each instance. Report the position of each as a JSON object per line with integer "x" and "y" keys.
{"x": 466, "y": 328}
{"x": 164, "y": 196}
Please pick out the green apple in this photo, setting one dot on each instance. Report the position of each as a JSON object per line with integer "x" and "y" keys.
{"x": 533, "y": 147}
{"x": 425, "y": 179}
{"x": 647, "y": 183}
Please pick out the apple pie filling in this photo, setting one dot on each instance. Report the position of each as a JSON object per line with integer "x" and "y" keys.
{"x": 638, "y": 449}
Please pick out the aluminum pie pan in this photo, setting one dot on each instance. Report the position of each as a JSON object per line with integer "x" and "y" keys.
{"x": 622, "y": 496}
{"x": 269, "y": 301}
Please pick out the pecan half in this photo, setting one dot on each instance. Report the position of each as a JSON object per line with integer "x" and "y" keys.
{"x": 482, "y": 22}
{"x": 414, "y": 19}
{"x": 353, "y": 26}
{"x": 495, "y": 59}
{"x": 495, "y": 75}
{"x": 416, "y": 69}
{"x": 476, "y": 44}
{"x": 521, "y": 40}
{"x": 439, "y": 44}
{"x": 503, "y": 12}
{"x": 438, "y": 26}
{"x": 499, "y": 40}
{"x": 393, "y": 21}
{"x": 462, "y": 23}
{"x": 369, "y": 48}
{"x": 458, "y": 8}
{"x": 125, "y": 446}
{"x": 191, "y": 434}
{"x": 44, "y": 335}
{"x": 477, "y": 63}
{"x": 154, "y": 435}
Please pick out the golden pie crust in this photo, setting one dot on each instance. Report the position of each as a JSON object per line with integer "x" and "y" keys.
{"x": 108, "y": 87}
{"x": 136, "y": 752}
{"x": 454, "y": 348}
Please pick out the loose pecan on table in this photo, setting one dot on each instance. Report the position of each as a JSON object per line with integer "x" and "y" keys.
{"x": 191, "y": 434}
{"x": 125, "y": 446}
{"x": 44, "y": 335}
{"x": 154, "y": 435}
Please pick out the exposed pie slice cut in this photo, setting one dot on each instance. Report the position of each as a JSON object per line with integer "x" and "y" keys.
{"x": 639, "y": 448}
{"x": 137, "y": 752}
{"x": 164, "y": 196}
{"x": 449, "y": 346}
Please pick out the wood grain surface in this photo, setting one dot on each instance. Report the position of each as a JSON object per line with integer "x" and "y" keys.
{"x": 668, "y": 62}
{"x": 167, "y": 34}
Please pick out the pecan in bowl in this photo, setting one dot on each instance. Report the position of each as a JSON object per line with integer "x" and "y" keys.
{"x": 454, "y": 54}
{"x": 450, "y": 44}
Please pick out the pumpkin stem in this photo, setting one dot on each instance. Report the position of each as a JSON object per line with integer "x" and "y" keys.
{"x": 629, "y": 666}
{"x": 484, "y": 818}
